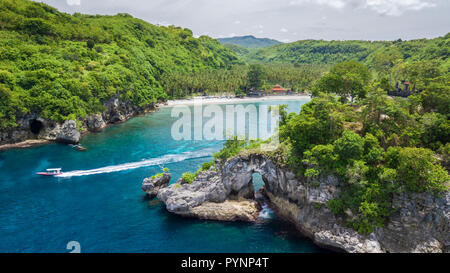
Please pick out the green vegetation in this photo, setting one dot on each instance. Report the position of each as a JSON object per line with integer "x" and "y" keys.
{"x": 188, "y": 177}
{"x": 158, "y": 175}
{"x": 207, "y": 165}
{"x": 241, "y": 78}
{"x": 376, "y": 145}
{"x": 65, "y": 66}
{"x": 347, "y": 79}
{"x": 255, "y": 76}
{"x": 315, "y": 52}
{"x": 249, "y": 41}
{"x": 234, "y": 145}
{"x": 380, "y": 55}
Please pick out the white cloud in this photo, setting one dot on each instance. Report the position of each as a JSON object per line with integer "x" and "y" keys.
{"x": 284, "y": 30}
{"x": 338, "y": 4}
{"x": 73, "y": 2}
{"x": 237, "y": 22}
{"x": 384, "y": 7}
{"x": 397, "y": 7}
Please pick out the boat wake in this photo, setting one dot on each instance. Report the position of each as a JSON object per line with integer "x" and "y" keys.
{"x": 166, "y": 159}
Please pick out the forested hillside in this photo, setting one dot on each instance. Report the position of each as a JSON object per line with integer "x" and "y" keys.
{"x": 332, "y": 52}
{"x": 65, "y": 66}
{"x": 249, "y": 41}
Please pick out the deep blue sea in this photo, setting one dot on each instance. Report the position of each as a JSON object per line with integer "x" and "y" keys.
{"x": 101, "y": 205}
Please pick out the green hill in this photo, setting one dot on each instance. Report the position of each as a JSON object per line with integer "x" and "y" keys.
{"x": 65, "y": 66}
{"x": 249, "y": 41}
{"x": 332, "y": 52}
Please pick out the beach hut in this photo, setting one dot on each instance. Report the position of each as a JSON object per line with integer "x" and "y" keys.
{"x": 278, "y": 90}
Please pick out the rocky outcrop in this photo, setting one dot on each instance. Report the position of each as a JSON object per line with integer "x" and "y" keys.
{"x": 208, "y": 198}
{"x": 66, "y": 133}
{"x": 152, "y": 185}
{"x": 421, "y": 223}
{"x": 34, "y": 127}
{"x": 95, "y": 123}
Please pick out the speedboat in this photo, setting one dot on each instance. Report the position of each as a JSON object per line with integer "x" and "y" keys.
{"x": 51, "y": 172}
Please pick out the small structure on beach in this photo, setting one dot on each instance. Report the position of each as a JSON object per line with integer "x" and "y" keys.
{"x": 278, "y": 90}
{"x": 256, "y": 93}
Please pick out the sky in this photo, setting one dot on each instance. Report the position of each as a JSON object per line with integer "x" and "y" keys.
{"x": 284, "y": 20}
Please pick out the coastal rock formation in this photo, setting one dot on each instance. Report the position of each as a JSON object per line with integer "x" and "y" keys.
{"x": 421, "y": 223}
{"x": 208, "y": 198}
{"x": 95, "y": 123}
{"x": 152, "y": 185}
{"x": 119, "y": 111}
{"x": 34, "y": 127}
{"x": 66, "y": 133}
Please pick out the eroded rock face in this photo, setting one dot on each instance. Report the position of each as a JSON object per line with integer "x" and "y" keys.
{"x": 181, "y": 197}
{"x": 95, "y": 123}
{"x": 229, "y": 210}
{"x": 208, "y": 198}
{"x": 35, "y": 127}
{"x": 118, "y": 111}
{"x": 66, "y": 133}
{"x": 420, "y": 225}
{"x": 152, "y": 185}
{"x": 32, "y": 126}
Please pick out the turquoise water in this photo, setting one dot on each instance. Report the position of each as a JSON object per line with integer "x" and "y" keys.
{"x": 103, "y": 207}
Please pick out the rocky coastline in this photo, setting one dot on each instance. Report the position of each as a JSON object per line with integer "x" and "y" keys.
{"x": 225, "y": 192}
{"x": 34, "y": 130}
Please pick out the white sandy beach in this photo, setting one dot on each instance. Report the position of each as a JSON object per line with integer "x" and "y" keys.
{"x": 223, "y": 100}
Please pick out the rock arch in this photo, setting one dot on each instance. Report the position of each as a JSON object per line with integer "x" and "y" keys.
{"x": 227, "y": 194}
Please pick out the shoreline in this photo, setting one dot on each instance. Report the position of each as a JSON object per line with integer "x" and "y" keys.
{"x": 170, "y": 103}
{"x": 223, "y": 100}
{"x": 25, "y": 144}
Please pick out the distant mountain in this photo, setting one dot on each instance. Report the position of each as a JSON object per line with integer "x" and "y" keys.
{"x": 249, "y": 41}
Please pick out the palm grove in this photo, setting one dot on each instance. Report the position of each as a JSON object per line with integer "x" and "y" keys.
{"x": 63, "y": 66}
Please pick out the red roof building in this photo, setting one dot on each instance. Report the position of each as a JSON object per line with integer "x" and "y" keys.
{"x": 278, "y": 89}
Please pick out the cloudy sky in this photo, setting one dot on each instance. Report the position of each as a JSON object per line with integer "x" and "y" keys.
{"x": 284, "y": 20}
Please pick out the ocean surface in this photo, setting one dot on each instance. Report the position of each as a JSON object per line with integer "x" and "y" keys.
{"x": 99, "y": 203}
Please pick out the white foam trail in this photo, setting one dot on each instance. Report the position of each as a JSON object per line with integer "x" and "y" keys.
{"x": 170, "y": 158}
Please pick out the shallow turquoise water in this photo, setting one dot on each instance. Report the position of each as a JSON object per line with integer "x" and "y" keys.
{"x": 107, "y": 211}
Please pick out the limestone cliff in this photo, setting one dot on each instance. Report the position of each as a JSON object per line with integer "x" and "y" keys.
{"x": 33, "y": 126}
{"x": 420, "y": 224}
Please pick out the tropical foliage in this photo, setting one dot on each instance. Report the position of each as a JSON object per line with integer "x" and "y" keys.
{"x": 377, "y": 145}
{"x": 65, "y": 66}
{"x": 380, "y": 54}
{"x": 249, "y": 41}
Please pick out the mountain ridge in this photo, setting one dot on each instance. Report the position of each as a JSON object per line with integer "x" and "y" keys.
{"x": 249, "y": 41}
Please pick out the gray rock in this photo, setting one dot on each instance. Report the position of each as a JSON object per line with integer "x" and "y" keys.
{"x": 116, "y": 111}
{"x": 152, "y": 185}
{"x": 67, "y": 132}
{"x": 207, "y": 187}
{"x": 421, "y": 223}
{"x": 95, "y": 123}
